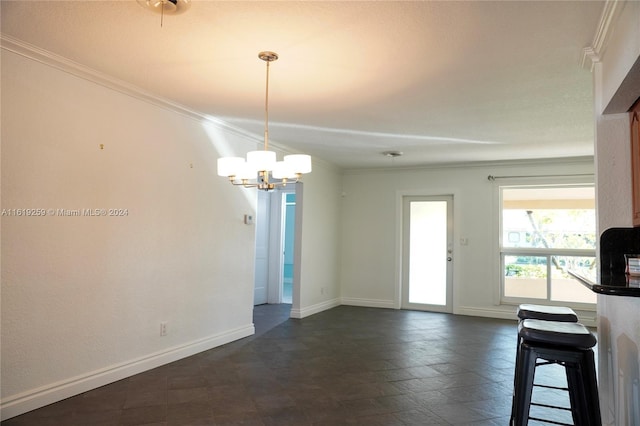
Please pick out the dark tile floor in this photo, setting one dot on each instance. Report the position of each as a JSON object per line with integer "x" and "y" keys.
{"x": 345, "y": 366}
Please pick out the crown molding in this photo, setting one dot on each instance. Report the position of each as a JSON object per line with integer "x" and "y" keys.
{"x": 593, "y": 54}
{"x": 76, "y": 69}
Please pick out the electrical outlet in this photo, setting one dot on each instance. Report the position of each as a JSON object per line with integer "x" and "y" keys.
{"x": 163, "y": 329}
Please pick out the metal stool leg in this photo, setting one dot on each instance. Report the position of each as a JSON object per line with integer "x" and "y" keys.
{"x": 525, "y": 377}
{"x": 591, "y": 389}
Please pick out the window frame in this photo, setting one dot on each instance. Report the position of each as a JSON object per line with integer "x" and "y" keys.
{"x": 537, "y": 251}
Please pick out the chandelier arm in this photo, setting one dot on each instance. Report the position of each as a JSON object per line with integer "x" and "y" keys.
{"x": 264, "y": 185}
{"x": 232, "y": 181}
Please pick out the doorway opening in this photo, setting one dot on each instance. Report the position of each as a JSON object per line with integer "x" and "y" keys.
{"x": 277, "y": 246}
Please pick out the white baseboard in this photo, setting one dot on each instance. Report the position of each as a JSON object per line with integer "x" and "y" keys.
{"x": 486, "y": 312}
{"x": 369, "y": 303}
{"x": 314, "y": 309}
{"x": 588, "y": 319}
{"x": 15, "y": 405}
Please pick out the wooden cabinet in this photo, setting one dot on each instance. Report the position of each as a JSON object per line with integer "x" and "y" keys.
{"x": 635, "y": 162}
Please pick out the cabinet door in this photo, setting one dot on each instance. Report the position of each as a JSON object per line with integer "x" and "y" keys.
{"x": 635, "y": 162}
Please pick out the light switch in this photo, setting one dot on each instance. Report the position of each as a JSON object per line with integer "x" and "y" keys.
{"x": 248, "y": 219}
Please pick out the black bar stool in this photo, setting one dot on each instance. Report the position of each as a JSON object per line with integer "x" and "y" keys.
{"x": 540, "y": 312}
{"x": 565, "y": 343}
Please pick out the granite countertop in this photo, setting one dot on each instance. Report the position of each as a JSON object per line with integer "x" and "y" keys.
{"x": 611, "y": 284}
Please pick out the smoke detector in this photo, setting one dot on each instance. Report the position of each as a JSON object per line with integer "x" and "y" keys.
{"x": 392, "y": 154}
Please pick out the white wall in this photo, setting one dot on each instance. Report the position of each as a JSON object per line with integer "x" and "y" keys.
{"x": 618, "y": 317}
{"x": 83, "y": 297}
{"x": 370, "y": 272}
{"x": 320, "y": 253}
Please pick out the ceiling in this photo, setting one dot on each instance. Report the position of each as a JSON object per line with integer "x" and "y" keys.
{"x": 441, "y": 81}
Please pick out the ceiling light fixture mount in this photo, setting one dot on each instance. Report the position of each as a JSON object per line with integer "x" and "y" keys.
{"x": 165, "y": 7}
{"x": 268, "y": 57}
{"x": 261, "y": 170}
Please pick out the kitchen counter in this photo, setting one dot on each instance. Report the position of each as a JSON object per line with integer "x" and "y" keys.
{"x": 615, "y": 244}
{"x": 611, "y": 284}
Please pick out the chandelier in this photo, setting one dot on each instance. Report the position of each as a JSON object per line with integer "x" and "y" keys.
{"x": 261, "y": 170}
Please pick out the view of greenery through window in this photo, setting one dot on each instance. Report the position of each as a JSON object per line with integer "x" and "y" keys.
{"x": 545, "y": 231}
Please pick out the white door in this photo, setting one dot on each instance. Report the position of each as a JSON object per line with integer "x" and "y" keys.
{"x": 427, "y": 253}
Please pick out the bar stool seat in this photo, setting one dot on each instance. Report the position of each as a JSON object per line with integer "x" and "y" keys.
{"x": 565, "y": 343}
{"x": 556, "y": 333}
{"x": 547, "y": 313}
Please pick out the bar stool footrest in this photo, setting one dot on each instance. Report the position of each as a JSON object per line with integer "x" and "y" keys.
{"x": 551, "y": 387}
{"x": 551, "y": 406}
{"x": 550, "y": 421}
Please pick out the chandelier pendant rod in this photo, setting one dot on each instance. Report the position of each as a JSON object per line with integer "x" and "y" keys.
{"x": 266, "y": 111}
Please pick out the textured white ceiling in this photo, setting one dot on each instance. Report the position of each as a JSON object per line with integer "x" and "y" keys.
{"x": 449, "y": 81}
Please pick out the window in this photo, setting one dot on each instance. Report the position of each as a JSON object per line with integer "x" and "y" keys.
{"x": 546, "y": 230}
